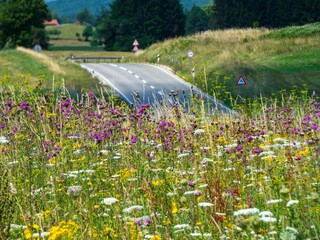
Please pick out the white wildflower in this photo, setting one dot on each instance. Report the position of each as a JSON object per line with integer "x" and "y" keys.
{"x": 50, "y": 165}
{"x": 195, "y": 192}
{"x": 17, "y": 227}
{"x": 198, "y": 131}
{"x": 170, "y": 194}
{"x": 268, "y": 219}
{"x": 42, "y": 235}
{"x": 183, "y": 155}
{"x": 266, "y": 214}
{"x": 291, "y": 202}
{"x": 109, "y": 201}
{"x": 3, "y": 140}
{"x": 103, "y": 152}
{"x": 274, "y": 201}
{"x": 181, "y": 226}
{"x": 280, "y": 140}
{"x": 13, "y": 163}
{"x": 196, "y": 234}
{"x": 291, "y": 229}
{"x": 130, "y": 209}
{"x": 246, "y": 211}
{"x": 220, "y": 214}
{"x": 74, "y": 190}
{"x": 205, "y": 204}
{"x": 148, "y": 236}
{"x": 228, "y": 169}
{"x": 206, "y": 160}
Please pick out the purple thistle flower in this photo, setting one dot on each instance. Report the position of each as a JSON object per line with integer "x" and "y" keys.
{"x": 139, "y": 222}
{"x": 249, "y": 139}
{"x": 256, "y": 151}
{"x": 298, "y": 158}
{"x": 191, "y": 184}
{"x": 24, "y": 105}
{"x": 9, "y": 103}
{"x": 90, "y": 95}
{"x": 147, "y": 221}
{"x": 239, "y": 148}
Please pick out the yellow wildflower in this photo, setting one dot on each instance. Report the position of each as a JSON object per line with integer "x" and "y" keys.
{"x": 156, "y": 237}
{"x": 174, "y": 208}
{"x": 27, "y": 233}
{"x": 35, "y": 226}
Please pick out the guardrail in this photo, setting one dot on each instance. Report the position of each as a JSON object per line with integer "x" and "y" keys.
{"x": 88, "y": 59}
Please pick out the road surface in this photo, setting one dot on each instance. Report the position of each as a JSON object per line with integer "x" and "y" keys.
{"x": 144, "y": 83}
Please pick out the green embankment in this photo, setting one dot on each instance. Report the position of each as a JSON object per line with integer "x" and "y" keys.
{"x": 269, "y": 60}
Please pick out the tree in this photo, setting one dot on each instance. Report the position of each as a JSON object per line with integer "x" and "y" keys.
{"x": 21, "y": 22}
{"x": 146, "y": 20}
{"x": 85, "y": 17}
{"x": 266, "y": 13}
{"x": 87, "y": 32}
{"x": 196, "y": 21}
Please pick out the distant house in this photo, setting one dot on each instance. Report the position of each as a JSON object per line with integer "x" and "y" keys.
{"x": 53, "y": 22}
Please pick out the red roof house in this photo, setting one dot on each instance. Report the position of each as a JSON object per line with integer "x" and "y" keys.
{"x": 53, "y": 22}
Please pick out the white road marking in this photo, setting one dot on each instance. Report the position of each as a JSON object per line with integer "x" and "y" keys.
{"x": 144, "y": 81}
{"x": 152, "y": 87}
{"x": 123, "y": 68}
{"x": 136, "y": 76}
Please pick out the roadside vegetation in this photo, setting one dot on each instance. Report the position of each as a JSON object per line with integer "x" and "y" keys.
{"x": 94, "y": 169}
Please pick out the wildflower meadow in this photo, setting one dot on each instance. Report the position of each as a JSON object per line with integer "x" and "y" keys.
{"x": 90, "y": 168}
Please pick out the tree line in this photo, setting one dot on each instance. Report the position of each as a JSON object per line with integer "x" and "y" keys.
{"x": 21, "y": 21}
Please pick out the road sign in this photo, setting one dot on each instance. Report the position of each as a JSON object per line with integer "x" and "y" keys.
{"x": 135, "y": 43}
{"x": 135, "y": 48}
{"x": 37, "y": 48}
{"x": 190, "y": 54}
{"x": 241, "y": 81}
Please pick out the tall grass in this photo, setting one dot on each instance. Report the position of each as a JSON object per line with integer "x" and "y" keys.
{"x": 92, "y": 169}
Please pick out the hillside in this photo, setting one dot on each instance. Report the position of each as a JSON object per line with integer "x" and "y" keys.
{"x": 269, "y": 60}
{"x": 69, "y": 9}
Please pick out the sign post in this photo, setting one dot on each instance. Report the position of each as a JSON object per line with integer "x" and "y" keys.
{"x": 135, "y": 45}
{"x": 242, "y": 83}
{"x": 190, "y": 55}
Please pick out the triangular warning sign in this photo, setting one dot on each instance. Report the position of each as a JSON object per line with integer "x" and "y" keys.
{"x": 135, "y": 48}
{"x": 135, "y": 43}
{"x": 241, "y": 81}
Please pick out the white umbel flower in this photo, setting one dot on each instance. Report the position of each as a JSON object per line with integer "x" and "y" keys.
{"x": 130, "y": 209}
{"x": 291, "y": 202}
{"x": 109, "y": 201}
{"x": 198, "y": 131}
{"x": 74, "y": 190}
{"x": 247, "y": 211}
{"x": 205, "y": 204}
{"x": 3, "y": 140}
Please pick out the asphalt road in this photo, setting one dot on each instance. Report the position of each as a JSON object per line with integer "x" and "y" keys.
{"x": 143, "y": 83}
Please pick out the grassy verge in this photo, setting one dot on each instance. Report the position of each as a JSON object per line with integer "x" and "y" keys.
{"x": 23, "y": 66}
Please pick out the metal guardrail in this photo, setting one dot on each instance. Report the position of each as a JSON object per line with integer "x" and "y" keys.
{"x": 88, "y": 58}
